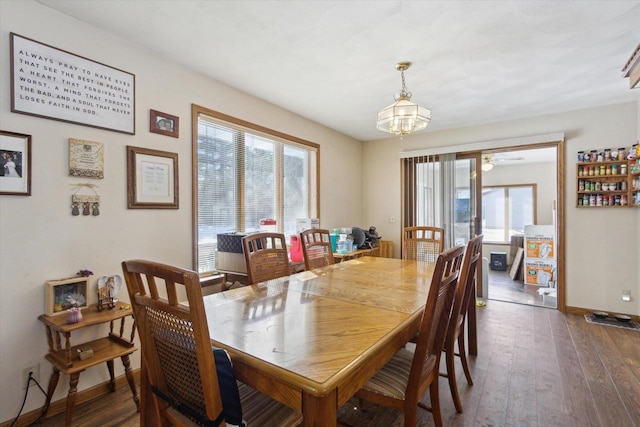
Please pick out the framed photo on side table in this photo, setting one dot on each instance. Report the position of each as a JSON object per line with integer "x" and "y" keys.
{"x": 15, "y": 163}
{"x": 61, "y": 295}
{"x": 152, "y": 179}
{"x": 164, "y": 123}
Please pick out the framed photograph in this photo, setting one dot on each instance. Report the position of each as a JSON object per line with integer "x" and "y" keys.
{"x": 15, "y": 164}
{"x": 86, "y": 158}
{"x": 164, "y": 123}
{"x": 70, "y": 88}
{"x": 61, "y": 295}
{"x": 152, "y": 179}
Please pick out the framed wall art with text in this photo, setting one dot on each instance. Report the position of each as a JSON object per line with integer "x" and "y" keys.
{"x": 55, "y": 84}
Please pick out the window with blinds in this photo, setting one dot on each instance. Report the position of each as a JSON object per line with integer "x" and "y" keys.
{"x": 246, "y": 173}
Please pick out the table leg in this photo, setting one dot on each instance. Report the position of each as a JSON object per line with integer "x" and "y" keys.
{"x": 71, "y": 397}
{"x": 132, "y": 382}
{"x": 112, "y": 377}
{"x": 320, "y": 411}
{"x": 53, "y": 383}
{"x": 472, "y": 333}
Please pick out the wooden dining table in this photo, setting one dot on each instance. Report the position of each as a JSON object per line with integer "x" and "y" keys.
{"x": 312, "y": 339}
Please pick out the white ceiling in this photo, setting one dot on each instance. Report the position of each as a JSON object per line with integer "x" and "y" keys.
{"x": 334, "y": 61}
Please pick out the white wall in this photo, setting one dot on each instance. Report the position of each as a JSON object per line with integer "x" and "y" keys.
{"x": 602, "y": 245}
{"x": 41, "y": 240}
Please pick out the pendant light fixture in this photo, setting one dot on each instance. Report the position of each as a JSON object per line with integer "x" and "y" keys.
{"x": 403, "y": 116}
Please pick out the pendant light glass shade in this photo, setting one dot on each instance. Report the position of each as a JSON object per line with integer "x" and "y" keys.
{"x": 403, "y": 116}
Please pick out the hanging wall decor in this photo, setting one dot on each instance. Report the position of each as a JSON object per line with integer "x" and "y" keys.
{"x": 86, "y": 158}
{"x": 87, "y": 204}
{"x": 55, "y": 84}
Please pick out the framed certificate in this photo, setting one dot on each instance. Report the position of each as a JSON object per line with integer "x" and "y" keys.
{"x": 152, "y": 179}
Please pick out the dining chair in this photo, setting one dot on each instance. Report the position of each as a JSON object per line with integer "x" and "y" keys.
{"x": 401, "y": 383}
{"x": 455, "y": 330}
{"x": 316, "y": 248}
{"x": 422, "y": 243}
{"x": 192, "y": 383}
{"x": 266, "y": 256}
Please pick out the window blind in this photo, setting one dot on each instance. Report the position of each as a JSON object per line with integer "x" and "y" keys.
{"x": 245, "y": 175}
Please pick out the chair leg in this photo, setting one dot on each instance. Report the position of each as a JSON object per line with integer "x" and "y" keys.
{"x": 463, "y": 358}
{"x": 435, "y": 403}
{"x": 410, "y": 415}
{"x": 451, "y": 376}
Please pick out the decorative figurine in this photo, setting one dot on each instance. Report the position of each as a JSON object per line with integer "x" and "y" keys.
{"x": 108, "y": 287}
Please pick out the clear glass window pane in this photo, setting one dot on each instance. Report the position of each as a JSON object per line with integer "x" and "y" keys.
{"x": 505, "y": 211}
{"x": 520, "y": 209}
{"x": 216, "y": 181}
{"x": 493, "y": 214}
{"x": 259, "y": 179}
{"x": 296, "y": 187}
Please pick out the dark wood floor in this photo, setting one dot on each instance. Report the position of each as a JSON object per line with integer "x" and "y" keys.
{"x": 536, "y": 367}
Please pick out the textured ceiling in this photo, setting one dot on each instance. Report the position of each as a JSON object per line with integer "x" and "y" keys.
{"x": 334, "y": 61}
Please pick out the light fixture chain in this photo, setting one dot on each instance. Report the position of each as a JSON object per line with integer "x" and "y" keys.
{"x": 404, "y": 94}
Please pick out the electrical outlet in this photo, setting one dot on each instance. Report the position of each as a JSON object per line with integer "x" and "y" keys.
{"x": 35, "y": 374}
{"x": 392, "y": 219}
{"x": 626, "y": 295}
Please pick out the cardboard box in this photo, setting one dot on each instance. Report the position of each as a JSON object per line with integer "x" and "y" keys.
{"x": 230, "y": 262}
{"x": 539, "y": 273}
{"x": 539, "y": 242}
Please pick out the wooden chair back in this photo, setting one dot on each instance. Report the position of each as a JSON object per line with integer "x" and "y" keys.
{"x": 175, "y": 340}
{"x": 266, "y": 256}
{"x": 435, "y": 320}
{"x": 472, "y": 256}
{"x": 316, "y": 248}
{"x": 422, "y": 243}
{"x": 461, "y": 303}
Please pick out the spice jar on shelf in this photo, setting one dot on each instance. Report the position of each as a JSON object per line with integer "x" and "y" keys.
{"x": 621, "y": 152}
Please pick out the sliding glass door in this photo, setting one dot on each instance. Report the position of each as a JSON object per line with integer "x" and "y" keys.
{"x": 441, "y": 191}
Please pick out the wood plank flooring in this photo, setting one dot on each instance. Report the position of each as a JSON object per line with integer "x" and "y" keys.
{"x": 536, "y": 367}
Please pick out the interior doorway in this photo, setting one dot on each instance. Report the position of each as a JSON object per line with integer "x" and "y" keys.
{"x": 446, "y": 189}
{"x": 520, "y": 191}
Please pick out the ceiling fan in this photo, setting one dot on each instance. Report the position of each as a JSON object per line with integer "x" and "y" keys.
{"x": 489, "y": 161}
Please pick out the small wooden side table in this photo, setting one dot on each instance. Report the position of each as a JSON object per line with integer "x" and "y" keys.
{"x": 65, "y": 357}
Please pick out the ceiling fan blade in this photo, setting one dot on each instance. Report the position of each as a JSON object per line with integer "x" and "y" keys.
{"x": 502, "y": 159}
